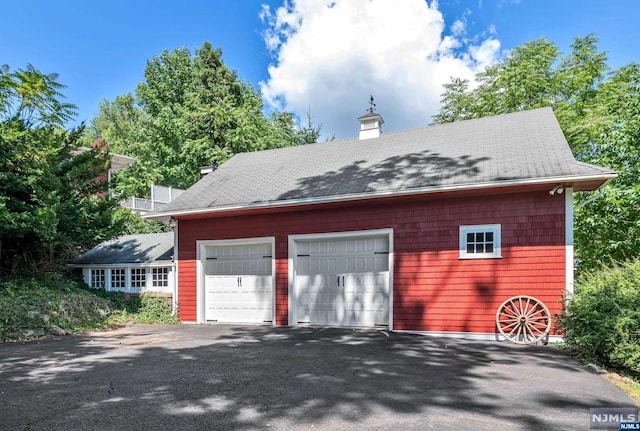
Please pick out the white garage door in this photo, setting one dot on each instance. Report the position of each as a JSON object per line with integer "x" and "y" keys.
{"x": 343, "y": 281}
{"x": 239, "y": 283}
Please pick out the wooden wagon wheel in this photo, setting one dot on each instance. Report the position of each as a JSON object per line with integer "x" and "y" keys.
{"x": 523, "y": 320}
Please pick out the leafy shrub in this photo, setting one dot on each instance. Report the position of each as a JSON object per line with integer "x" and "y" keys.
{"x": 119, "y": 300}
{"x": 139, "y": 309}
{"x": 38, "y": 306}
{"x": 603, "y": 318}
{"x": 48, "y": 305}
{"x": 155, "y": 309}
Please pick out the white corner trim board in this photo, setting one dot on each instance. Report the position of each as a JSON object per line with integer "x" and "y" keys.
{"x": 569, "y": 256}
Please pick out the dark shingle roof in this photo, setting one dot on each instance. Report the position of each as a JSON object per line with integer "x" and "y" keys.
{"x": 144, "y": 248}
{"x": 492, "y": 151}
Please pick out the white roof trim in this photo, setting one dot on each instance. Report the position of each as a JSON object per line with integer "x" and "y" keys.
{"x": 361, "y": 196}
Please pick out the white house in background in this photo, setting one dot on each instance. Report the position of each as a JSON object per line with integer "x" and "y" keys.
{"x": 134, "y": 264}
{"x": 160, "y": 195}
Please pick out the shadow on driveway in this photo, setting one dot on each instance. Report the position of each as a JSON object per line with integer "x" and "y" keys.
{"x": 227, "y": 377}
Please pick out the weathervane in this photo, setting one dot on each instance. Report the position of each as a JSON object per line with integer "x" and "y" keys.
{"x": 372, "y": 106}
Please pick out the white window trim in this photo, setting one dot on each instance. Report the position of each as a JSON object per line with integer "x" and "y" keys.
{"x": 91, "y": 283}
{"x": 161, "y": 277}
{"x": 137, "y": 289}
{"x": 497, "y": 241}
{"x": 147, "y": 282}
{"x": 122, "y": 273}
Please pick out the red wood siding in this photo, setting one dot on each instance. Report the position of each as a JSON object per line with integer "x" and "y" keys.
{"x": 433, "y": 290}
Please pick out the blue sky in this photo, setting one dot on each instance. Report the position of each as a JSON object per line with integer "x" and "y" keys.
{"x": 306, "y": 55}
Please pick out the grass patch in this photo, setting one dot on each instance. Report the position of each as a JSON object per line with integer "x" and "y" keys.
{"x": 39, "y": 306}
{"x": 630, "y": 386}
{"x": 626, "y": 381}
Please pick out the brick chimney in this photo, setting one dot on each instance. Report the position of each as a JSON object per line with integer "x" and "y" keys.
{"x": 100, "y": 144}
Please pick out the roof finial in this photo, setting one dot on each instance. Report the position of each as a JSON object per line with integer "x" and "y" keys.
{"x": 372, "y": 106}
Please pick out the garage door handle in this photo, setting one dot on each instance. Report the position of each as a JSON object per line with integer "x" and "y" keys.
{"x": 342, "y": 281}
{"x": 239, "y": 281}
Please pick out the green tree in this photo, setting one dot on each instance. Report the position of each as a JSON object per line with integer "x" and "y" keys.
{"x": 50, "y": 208}
{"x": 126, "y": 222}
{"x": 599, "y": 115}
{"x": 33, "y": 98}
{"x": 190, "y": 111}
{"x": 117, "y": 124}
{"x": 309, "y": 133}
{"x": 457, "y": 102}
{"x": 533, "y": 75}
{"x": 608, "y": 228}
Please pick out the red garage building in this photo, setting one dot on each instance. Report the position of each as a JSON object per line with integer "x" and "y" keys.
{"x": 426, "y": 230}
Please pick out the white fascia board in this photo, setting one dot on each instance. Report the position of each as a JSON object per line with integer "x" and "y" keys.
{"x": 361, "y": 196}
{"x": 132, "y": 159}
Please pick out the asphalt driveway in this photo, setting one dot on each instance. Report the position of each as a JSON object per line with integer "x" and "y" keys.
{"x": 224, "y": 377}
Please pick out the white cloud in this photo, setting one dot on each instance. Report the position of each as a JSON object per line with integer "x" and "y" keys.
{"x": 485, "y": 54}
{"x": 458, "y": 27}
{"x": 331, "y": 55}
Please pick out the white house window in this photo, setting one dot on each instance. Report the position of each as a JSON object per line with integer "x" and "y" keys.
{"x": 480, "y": 241}
{"x": 160, "y": 277}
{"x": 138, "y": 278}
{"x": 97, "y": 278}
{"x": 118, "y": 279}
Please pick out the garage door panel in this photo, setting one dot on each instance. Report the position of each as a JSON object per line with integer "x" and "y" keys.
{"x": 324, "y": 266}
{"x": 343, "y": 281}
{"x": 239, "y": 283}
{"x": 316, "y": 283}
{"x": 318, "y": 247}
{"x": 362, "y": 245}
{"x": 236, "y": 251}
{"x": 366, "y": 294}
{"x": 363, "y": 264}
{"x": 252, "y": 300}
{"x": 257, "y": 266}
